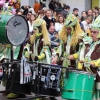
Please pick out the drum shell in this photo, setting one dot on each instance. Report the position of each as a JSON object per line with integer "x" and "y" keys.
{"x": 46, "y": 71}
{"x": 4, "y": 19}
{"x": 79, "y": 86}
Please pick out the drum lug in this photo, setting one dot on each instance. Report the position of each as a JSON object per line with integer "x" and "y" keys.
{"x": 45, "y": 86}
{"x": 77, "y": 74}
{"x": 89, "y": 76}
{"x": 58, "y": 89}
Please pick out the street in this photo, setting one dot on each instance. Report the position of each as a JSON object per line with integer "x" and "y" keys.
{"x": 4, "y": 97}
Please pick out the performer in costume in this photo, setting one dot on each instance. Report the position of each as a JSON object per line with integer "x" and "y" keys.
{"x": 39, "y": 43}
{"x": 69, "y": 40}
{"x": 91, "y": 58}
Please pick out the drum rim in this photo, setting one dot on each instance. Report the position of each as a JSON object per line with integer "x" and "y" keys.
{"x": 27, "y": 30}
{"x": 82, "y": 72}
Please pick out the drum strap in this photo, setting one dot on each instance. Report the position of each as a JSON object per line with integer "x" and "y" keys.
{"x": 35, "y": 48}
{"x": 25, "y": 71}
{"x": 88, "y": 56}
{"x": 87, "y": 59}
{"x": 68, "y": 44}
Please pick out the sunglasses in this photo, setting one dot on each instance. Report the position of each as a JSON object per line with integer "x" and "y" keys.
{"x": 94, "y": 32}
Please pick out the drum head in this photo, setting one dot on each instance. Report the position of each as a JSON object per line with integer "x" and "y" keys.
{"x": 17, "y": 30}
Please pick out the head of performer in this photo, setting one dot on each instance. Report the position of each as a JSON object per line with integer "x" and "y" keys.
{"x": 84, "y": 38}
{"x": 39, "y": 29}
{"x": 71, "y": 27}
{"x": 95, "y": 30}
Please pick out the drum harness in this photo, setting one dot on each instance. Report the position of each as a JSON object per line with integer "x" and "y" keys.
{"x": 88, "y": 59}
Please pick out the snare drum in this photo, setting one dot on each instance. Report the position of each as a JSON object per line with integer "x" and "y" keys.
{"x": 13, "y": 29}
{"x": 48, "y": 79}
{"x": 78, "y": 86}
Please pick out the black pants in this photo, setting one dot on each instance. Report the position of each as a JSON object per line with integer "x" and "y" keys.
{"x": 52, "y": 98}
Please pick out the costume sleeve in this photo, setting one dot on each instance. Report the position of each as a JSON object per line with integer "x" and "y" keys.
{"x": 96, "y": 62}
{"x": 42, "y": 56}
{"x": 76, "y": 55}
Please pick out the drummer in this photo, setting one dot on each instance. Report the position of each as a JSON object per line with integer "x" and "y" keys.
{"x": 91, "y": 61}
{"x": 39, "y": 45}
{"x": 69, "y": 40}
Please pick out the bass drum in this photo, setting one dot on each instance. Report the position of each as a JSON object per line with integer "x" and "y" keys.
{"x": 13, "y": 29}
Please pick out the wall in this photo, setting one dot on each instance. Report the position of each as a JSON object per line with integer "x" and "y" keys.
{"x": 95, "y": 3}
{"x": 80, "y": 4}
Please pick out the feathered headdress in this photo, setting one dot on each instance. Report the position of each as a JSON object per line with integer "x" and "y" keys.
{"x": 73, "y": 23}
{"x": 40, "y": 22}
{"x": 96, "y": 25}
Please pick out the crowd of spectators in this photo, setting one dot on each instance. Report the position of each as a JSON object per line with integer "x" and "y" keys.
{"x": 54, "y": 15}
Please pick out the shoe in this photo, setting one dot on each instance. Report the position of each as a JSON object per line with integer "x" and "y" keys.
{"x": 4, "y": 94}
{"x": 52, "y": 98}
{"x": 21, "y": 96}
{"x": 12, "y": 96}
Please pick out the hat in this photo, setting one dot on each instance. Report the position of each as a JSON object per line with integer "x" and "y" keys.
{"x": 96, "y": 25}
{"x": 39, "y": 22}
{"x": 71, "y": 20}
{"x": 73, "y": 23}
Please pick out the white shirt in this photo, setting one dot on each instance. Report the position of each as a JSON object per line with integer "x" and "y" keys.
{"x": 58, "y": 26}
{"x": 86, "y": 25}
{"x": 30, "y": 26}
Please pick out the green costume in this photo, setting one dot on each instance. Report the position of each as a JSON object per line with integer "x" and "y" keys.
{"x": 69, "y": 44}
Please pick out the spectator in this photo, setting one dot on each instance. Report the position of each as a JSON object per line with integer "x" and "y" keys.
{"x": 55, "y": 39}
{"x": 64, "y": 5}
{"x": 31, "y": 22}
{"x": 89, "y": 12}
{"x": 25, "y": 9}
{"x": 41, "y": 13}
{"x": 87, "y": 23}
{"x": 51, "y": 35}
{"x": 31, "y": 10}
{"x": 75, "y": 11}
{"x": 65, "y": 12}
{"x": 36, "y": 6}
{"x": 48, "y": 18}
{"x": 28, "y": 15}
{"x": 51, "y": 5}
{"x": 16, "y": 4}
{"x": 83, "y": 15}
{"x": 60, "y": 22}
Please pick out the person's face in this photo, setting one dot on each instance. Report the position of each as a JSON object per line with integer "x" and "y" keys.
{"x": 32, "y": 17}
{"x": 97, "y": 14}
{"x": 68, "y": 30}
{"x": 52, "y": 29}
{"x": 61, "y": 19}
{"x": 41, "y": 15}
{"x": 90, "y": 12}
{"x": 76, "y": 12}
{"x": 94, "y": 14}
{"x": 88, "y": 21}
{"x": 54, "y": 13}
{"x": 94, "y": 34}
{"x": 56, "y": 35}
{"x": 35, "y": 31}
{"x": 84, "y": 14}
{"x": 28, "y": 15}
{"x": 48, "y": 13}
